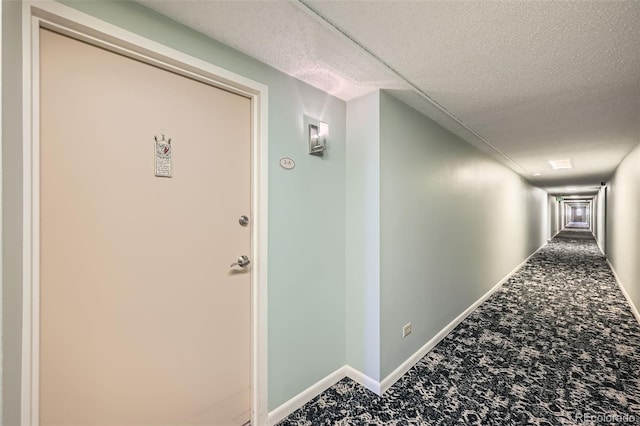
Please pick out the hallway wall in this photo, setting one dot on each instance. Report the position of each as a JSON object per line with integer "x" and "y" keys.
{"x": 441, "y": 224}
{"x": 362, "y": 237}
{"x": 623, "y": 224}
{"x": 600, "y": 218}
{"x": 553, "y": 215}
{"x": 454, "y": 222}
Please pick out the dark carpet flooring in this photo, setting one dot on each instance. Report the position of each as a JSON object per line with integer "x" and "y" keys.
{"x": 576, "y": 230}
{"x": 556, "y": 345}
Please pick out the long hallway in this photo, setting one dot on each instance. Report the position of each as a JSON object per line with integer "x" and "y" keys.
{"x": 557, "y": 344}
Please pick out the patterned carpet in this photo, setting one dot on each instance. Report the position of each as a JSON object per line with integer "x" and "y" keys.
{"x": 576, "y": 230}
{"x": 556, "y": 345}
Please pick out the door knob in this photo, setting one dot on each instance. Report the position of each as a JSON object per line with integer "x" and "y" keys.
{"x": 242, "y": 262}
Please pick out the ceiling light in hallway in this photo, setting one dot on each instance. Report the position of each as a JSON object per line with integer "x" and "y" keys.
{"x": 561, "y": 164}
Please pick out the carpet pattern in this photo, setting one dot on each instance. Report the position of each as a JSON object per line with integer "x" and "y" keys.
{"x": 556, "y": 345}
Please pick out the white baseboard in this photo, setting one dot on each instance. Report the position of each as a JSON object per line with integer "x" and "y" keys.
{"x": 373, "y": 385}
{"x": 600, "y": 246}
{"x": 634, "y": 309}
{"x": 316, "y": 389}
{"x": 396, "y": 374}
{"x": 306, "y": 395}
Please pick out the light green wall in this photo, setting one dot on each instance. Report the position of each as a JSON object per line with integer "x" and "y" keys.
{"x": 11, "y": 211}
{"x": 599, "y": 229}
{"x": 363, "y": 234}
{"x": 306, "y": 302}
{"x": 623, "y": 224}
{"x": 454, "y": 222}
{"x": 553, "y": 215}
{"x": 432, "y": 225}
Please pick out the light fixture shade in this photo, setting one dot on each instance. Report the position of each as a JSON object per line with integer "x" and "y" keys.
{"x": 317, "y": 139}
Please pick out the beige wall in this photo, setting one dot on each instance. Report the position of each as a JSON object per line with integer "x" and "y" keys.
{"x": 12, "y": 210}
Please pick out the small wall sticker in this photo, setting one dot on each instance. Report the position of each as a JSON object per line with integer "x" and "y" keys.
{"x": 287, "y": 163}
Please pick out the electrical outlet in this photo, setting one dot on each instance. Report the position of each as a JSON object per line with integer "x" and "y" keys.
{"x": 406, "y": 330}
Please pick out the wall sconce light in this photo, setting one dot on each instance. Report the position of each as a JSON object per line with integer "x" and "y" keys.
{"x": 318, "y": 136}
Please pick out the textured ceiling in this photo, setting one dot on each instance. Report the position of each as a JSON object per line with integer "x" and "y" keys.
{"x": 526, "y": 82}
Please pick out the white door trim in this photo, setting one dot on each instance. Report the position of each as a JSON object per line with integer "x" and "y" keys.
{"x": 67, "y": 20}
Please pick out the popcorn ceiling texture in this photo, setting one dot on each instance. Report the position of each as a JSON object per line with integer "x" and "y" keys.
{"x": 537, "y": 80}
{"x": 283, "y": 35}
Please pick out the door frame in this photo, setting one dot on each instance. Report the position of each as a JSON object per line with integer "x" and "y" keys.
{"x": 69, "y": 21}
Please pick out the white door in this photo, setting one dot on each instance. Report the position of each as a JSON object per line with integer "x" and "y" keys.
{"x": 143, "y": 320}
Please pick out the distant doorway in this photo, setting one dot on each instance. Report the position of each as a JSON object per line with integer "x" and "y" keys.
{"x": 577, "y": 215}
